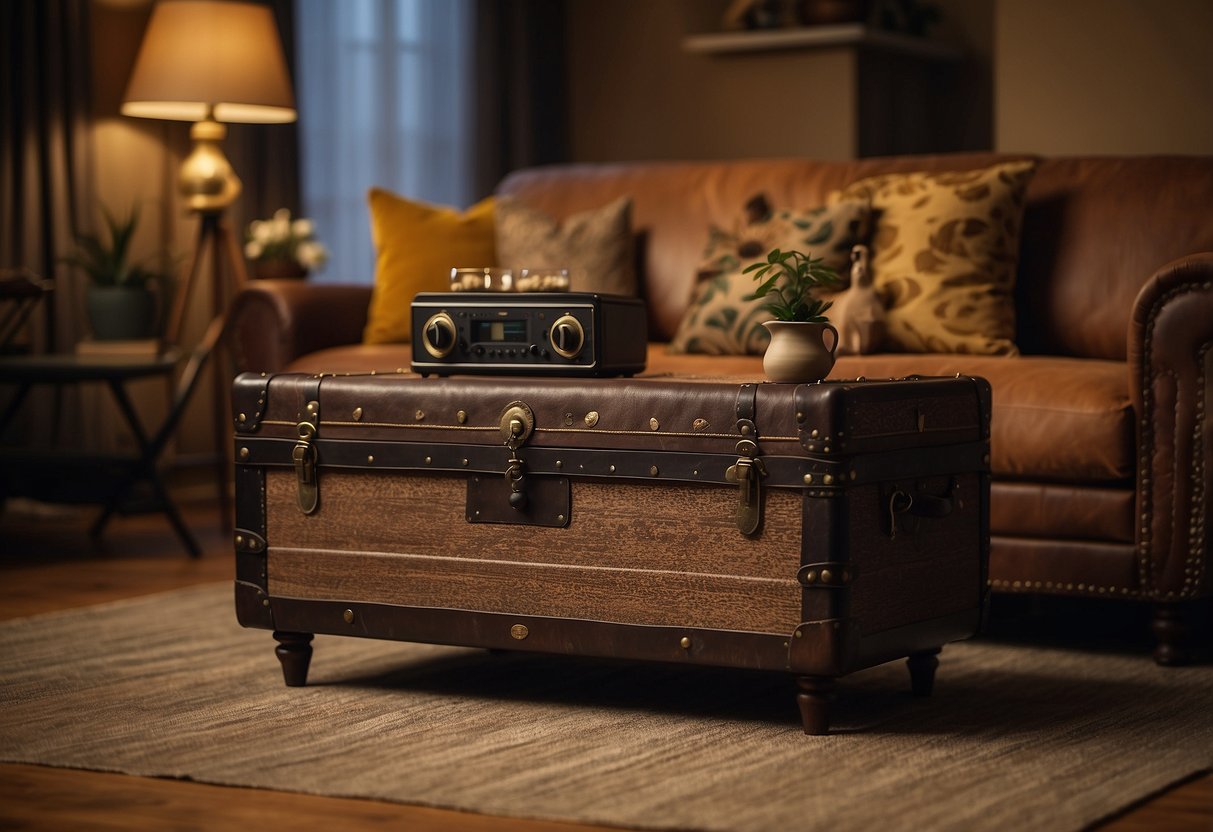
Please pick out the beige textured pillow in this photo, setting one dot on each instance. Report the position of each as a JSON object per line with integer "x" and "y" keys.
{"x": 944, "y": 254}
{"x": 719, "y": 320}
{"x": 595, "y": 246}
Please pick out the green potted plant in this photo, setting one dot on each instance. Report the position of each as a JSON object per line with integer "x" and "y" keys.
{"x": 119, "y": 300}
{"x": 787, "y": 282}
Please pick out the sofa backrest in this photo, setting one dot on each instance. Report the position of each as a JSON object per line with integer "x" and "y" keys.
{"x": 1094, "y": 230}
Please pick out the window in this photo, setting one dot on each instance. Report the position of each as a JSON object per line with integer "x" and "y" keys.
{"x": 384, "y": 91}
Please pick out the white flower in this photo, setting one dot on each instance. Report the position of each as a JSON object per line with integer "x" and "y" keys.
{"x": 302, "y": 229}
{"x": 260, "y": 231}
{"x": 281, "y": 224}
{"x": 310, "y": 254}
{"x": 252, "y": 249}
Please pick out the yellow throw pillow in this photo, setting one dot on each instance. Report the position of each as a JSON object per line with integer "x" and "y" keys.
{"x": 416, "y": 246}
{"x": 944, "y": 254}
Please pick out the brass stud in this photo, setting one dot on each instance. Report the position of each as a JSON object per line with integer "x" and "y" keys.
{"x": 798, "y": 634}
{"x": 611, "y": 469}
{"x": 828, "y": 479}
{"x": 699, "y": 424}
{"x": 591, "y": 418}
{"x": 799, "y": 416}
{"x": 826, "y": 576}
{"x": 568, "y": 420}
{"x": 348, "y": 615}
{"x": 465, "y": 463}
{"x": 695, "y": 472}
{"x": 244, "y": 453}
{"x": 745, "y": 430}
{"x": 312, "y": 407}
{"x": 519, "y": 632}
{"x": 239, "y": 539}
{"x": 265, "y": 602}
{"x": 653, "y": 471}
{"x": 684, "y": 643}
{"x": 654, "y": 424}
{"x": 420, "y": 414}
{"x": 370, "y": 458}
{"x": 357, "y": 414}
{"x": 808, "y": 479}
{"x": 813, "y": 433}
{"x": 811, "y": 577}
{"x": 241, "y": 418}
{"x": 559, "y": 463}
{"x": 461, "y": 417}
{"x": 559, "y": 518}
{"x": 254, "y": 544}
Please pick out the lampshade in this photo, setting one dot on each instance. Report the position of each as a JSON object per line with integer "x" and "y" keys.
{"x": 204, "y": 59}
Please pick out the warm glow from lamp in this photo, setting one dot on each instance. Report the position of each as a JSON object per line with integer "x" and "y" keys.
{"x": 210, "y": 61}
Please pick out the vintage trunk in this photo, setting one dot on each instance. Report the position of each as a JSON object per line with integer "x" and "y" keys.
{"x": 816, "y": 529}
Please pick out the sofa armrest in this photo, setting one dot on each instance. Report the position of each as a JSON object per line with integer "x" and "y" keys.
{"x": 274, "y": 322}
{"x": 1171, "y": 372}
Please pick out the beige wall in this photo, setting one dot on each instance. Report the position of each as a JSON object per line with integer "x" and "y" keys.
{"x": 1104, "y": 76}
{"x": 636, "y": 94}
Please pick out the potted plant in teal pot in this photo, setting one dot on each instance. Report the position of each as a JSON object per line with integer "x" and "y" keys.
{"x": 787, "y": 281}
{"x": 119, "y": 300}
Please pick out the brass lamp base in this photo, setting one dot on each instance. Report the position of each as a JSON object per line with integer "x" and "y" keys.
{"x": 207, "y": 181}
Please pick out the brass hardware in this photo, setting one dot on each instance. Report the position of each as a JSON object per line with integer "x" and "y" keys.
{"x": 685, "y": 643}
{"x": 611, "y": 469}
{"x": 747, "y": 472}
{"x": 357, "y": 414}
{"x": 813, "y": 433}
{"x": 439, "y": 335}
{"x": 811, "y": 577}
{"x": 304, "y": 457}
{"x": 828, "y": 479}
{"x": 591, "y": 418}
{"x": 825, "y": 449}
{"x": 746, "y": 430}
{"x": 516, "y": 424}
{"x": 254, "y": 544}
{"x": 559, "y": 463}
{"x": 429, "y": 460}
{"x": 700, "y": 424}
{"x": 568, "y": 420}
{"x": 312, "y": 407}
{"x": 465, "y": 463}
{"x": 239, "y": 539}
{"x": 654, "y": 424}
{"x": 461, "y": 417}
{"x": 370, "y": 459}
{"x": 653, "y": 471}
{"x": 244, "y": 454}
{"x": 798, "y": 634}
{"x": 567, "y": 336}
{"x": 808, "y": 479}
{"x": 559, "y": 518}
{"x": 348, "y": 615}
{"x": 265, "y": 602}
{"x": 826, "y": 576}
{"x": 419, "y": 415}
{"x": 519, "y": 632}
{"x": 799, "y": 416}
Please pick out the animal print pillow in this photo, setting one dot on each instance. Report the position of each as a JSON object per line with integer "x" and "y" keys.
{"x": 719, "y": 320}
{"x": 944, "y": 254}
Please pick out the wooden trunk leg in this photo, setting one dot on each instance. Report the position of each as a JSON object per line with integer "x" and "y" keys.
{"x": 815, "y": 698}
{"x": 1171, "y": 630}
{"x": 294, "y": 650}
{"x": 922, "y": 671}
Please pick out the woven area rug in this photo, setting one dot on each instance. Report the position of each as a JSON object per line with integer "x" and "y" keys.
{"x": 1014, "y": 737}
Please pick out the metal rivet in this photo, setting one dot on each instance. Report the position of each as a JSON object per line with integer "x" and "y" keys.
{"x": 239, "y": 539}
{"x": 745, "y": 430}
{"x": 685, "y": 643}
{"x": 312, "y": 407}
{"x": 799, "y": 416}
{"x": 699, "y": 424}
{"x": 265, "y": 602}
{"x": 653, "y": 471}
{"x": 348, "y": 615}
{"x": 798, "y": 634}
{"x": 559, "y": 463}
{"x": 559, "y": 518}
{"x": 826, "y": 576}
{"x": 808, "y": 479}
{"x": 519, "y": 632}
{"x": 357, "y": 414}
{"x": 428, "y": 460}
{"x": 591, "y": 418}
{"x": 241, "y": 417}
{"x": 370, "y": 458}
{"x": 568, "y": 420}
{"x": 828, "y": 479}
{"x": 813, "y": 433}
{"x": 254, "y": 544}
{"x": 465, "y": 463}
{"x": 612, "y": 469}
{"x": 461, "y": 416}
{"x": 244, "y": 453}
{"x": 826, "y": 449}
{"x": 654, "y": 424}
{"x": 811, "y": 577}
{"x": 419, "y": 415}
{"x": 695, "y": 472}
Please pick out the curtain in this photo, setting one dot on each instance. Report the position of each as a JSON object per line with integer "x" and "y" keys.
{"x": 384, "y": 97}
{"x": 45, "y": 153}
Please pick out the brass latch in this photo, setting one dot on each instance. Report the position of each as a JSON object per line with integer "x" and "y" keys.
{"x": 304, "y": 457}
{"x": 747, "y": 472}
{"x": 516, "y": 425}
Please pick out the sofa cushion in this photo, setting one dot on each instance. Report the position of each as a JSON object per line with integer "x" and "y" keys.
{"x": 416, "y": 246}
{"x": 595, "y": 246}
{"x": 720, "y": 320}
{"x": 944, "y": 255}
{"x": 1055, "y": 419}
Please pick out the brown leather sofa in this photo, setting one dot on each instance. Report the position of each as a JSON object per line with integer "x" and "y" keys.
{"x": 1102, "y": 440}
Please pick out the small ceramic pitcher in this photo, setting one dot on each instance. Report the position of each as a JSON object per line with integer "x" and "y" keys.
{"x": 797, "y": 352}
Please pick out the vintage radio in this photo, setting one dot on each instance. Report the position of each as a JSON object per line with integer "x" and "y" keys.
{"x": 547, "y": 334}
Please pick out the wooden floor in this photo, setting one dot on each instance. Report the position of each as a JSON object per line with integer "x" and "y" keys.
{"x": 48, "y": 563}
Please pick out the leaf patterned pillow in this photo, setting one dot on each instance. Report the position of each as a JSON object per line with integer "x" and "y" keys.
{"x": 944, "y": 254}
{"x": 719, "y": 320}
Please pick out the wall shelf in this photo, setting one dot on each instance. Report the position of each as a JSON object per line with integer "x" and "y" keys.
{"x": 820, "y": 37}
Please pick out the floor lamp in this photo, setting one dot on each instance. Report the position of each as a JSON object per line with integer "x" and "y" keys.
{"x": 210, "y": 62}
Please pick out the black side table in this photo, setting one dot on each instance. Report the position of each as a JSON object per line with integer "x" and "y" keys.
{"x": 112, "y": 480}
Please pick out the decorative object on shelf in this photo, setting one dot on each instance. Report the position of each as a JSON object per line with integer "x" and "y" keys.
{"x": 827, "y": 12}
{"x": 282, "y": 247}
{"x": 913, "y": 17}
{"x": 120, "y": 302}
{"x": 797, "y": 351}
{"x": 756, "y": 14}
{"x": 858, "y": 312}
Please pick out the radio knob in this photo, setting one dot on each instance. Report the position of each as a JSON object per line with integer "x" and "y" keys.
{"x": 439, "y": 335}
{"x": 567, "y": 336}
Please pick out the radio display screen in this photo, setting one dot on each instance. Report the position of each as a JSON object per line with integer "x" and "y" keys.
{"x": 504, "y": 330}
